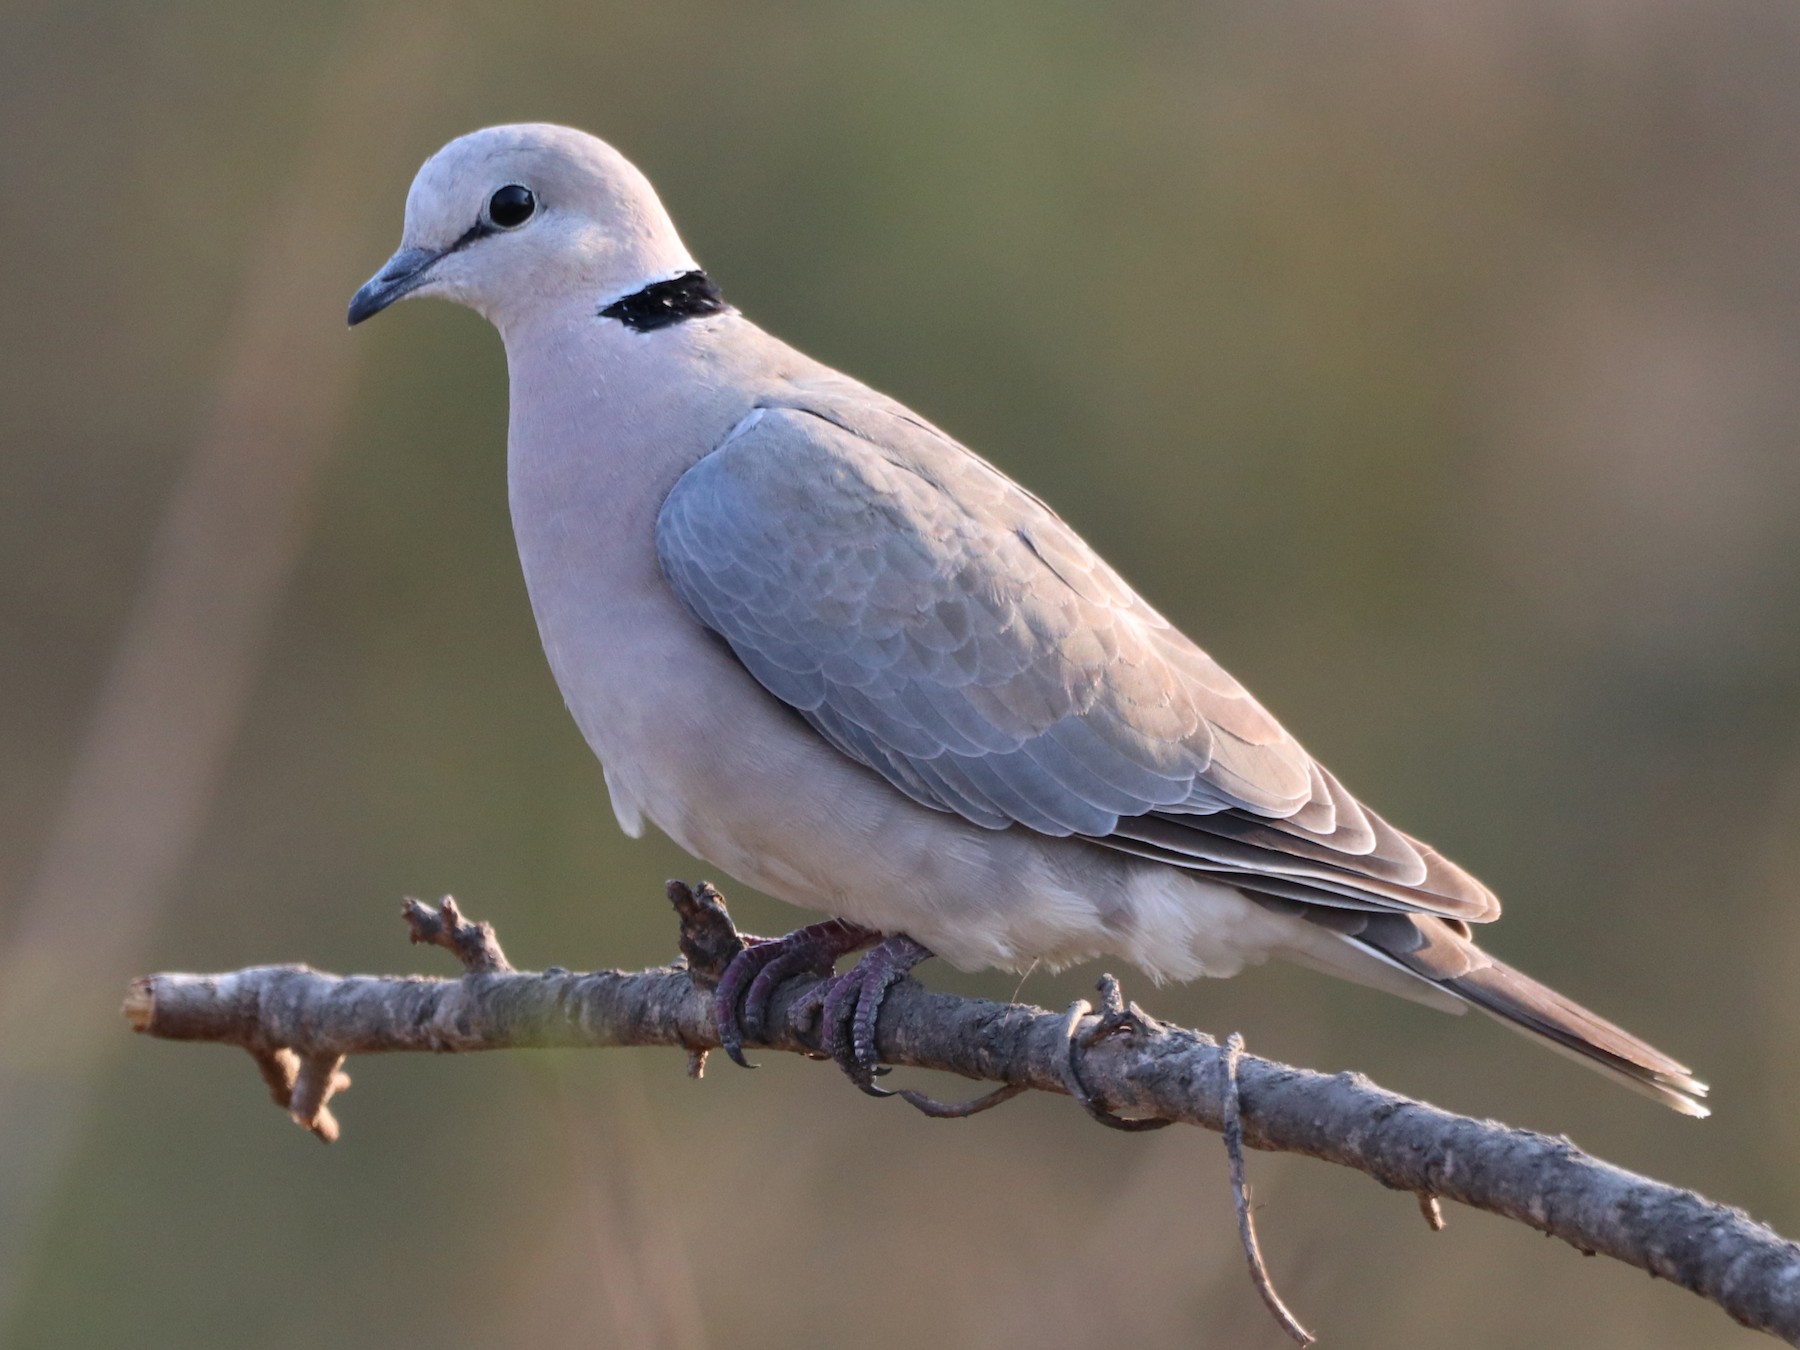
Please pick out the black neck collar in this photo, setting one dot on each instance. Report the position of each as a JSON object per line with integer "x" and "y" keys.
{"x": 691, "y": 295}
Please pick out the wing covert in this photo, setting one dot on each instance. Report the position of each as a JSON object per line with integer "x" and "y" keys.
{"x": 942, "y": 626}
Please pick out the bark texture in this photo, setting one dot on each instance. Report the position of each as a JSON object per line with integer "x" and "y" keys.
{"x": 307, "y": 1022}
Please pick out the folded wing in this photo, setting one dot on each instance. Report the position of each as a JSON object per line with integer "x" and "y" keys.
{"x": 936, "y": 622}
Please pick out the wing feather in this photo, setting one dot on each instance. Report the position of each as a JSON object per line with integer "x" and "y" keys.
{"x": 939, "y": 624}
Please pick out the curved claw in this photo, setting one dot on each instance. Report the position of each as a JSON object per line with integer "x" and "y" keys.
{"x": 849, "y": 1007}
{"x": 802, "y": 957}
{"x": 842, "y": 1002}
{"x": 755, "y": 973}
{"x": 853, "y": 1004}
{"x": 738, "y": 973}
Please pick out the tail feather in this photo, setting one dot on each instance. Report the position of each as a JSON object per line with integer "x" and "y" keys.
{"x": 1441, "y": 954}
{"x": 1542, "y": 1013}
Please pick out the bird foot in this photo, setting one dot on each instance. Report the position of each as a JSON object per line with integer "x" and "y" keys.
{"x": 1117, "y": 1018}
{"x": 753, "y": 975}
{"x": 847, "y": 1005}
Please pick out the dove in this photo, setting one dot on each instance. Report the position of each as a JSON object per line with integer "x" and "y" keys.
{"x": 826, "y": 648}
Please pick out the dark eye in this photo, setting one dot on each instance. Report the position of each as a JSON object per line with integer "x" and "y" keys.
{"x": 511, "y": 206}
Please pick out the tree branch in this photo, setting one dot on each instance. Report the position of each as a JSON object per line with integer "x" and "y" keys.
{"x": 299, "y": 1024}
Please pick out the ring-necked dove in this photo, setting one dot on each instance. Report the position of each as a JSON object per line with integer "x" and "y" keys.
{"x": 828, "y": 649}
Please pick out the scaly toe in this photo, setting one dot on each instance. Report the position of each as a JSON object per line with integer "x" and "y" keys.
{"x": 853, "y": 1004}
{"x": 741, "y": 1001}
{"x": 762, "y": 989}
{"x": 739, "y": 973}
{"x": 843, "y": 1001}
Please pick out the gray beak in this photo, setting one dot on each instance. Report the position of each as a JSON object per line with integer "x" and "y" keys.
{"x": 402, "y": 274}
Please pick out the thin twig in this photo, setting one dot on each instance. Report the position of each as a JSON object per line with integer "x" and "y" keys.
{"x": 961, "y": 1110}
{"x": 474, "y": 944}
{"x": 1113, "y": 1019}
{"x": 1155, "y": 1071}
{"x": 1432, "y": 1210}
{"x": 283, "y": 1072}
{"x": 316, "y": 1082}
{"x": 1240, "y": 1195}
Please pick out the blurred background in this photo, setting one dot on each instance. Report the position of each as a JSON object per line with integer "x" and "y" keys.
{"x": 1432, "y": 363}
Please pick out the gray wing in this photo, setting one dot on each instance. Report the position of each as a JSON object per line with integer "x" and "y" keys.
{"x": 939, "y": 624}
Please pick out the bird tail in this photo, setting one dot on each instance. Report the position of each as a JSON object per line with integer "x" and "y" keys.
{"x": 1440, "y": 952}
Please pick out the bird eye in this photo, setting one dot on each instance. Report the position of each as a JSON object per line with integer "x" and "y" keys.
{"x": 511, "y": 206}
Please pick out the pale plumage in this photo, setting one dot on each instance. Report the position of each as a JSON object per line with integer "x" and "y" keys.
{"x": 938, "y": 623}
{"x": 827, "y": 648}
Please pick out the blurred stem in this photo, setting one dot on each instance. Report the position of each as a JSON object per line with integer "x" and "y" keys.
{"x": 149, "y": 761}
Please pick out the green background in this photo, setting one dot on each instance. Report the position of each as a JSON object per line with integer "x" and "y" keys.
{"x": 1433, "y": 364}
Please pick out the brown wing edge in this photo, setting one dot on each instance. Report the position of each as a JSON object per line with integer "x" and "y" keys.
{"x": 1440, "y": 954}
{"x": 1275, "y": 865}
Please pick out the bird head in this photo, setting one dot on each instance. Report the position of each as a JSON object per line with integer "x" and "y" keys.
{"x": 504, "y": 219}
